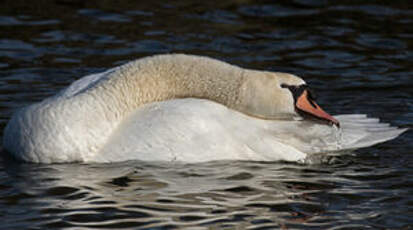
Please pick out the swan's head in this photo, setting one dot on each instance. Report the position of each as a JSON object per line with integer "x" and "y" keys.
{"x": 271, "y": 95}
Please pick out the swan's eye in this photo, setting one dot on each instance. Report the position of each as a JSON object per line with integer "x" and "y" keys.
{"x": 285, "y": 85}
{"x": 296, "y": 90}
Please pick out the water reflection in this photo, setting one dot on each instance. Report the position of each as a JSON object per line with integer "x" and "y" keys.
{"x": 211, "y": 194}
{"x": 161, "y": 194}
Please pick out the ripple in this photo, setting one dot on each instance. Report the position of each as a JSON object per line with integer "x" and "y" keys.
{"x": 104, "y": 16}
{"x": 312, "y": 3}
{"x": 326, "y": 63}
{"x": 150, "y": 46}
{"x": 9, "y": 21}
{"x": 70, "y": 36}
{"x": 274, "y": 11}
{"x": 374, "y": 41}
{"x": 123, "y": 196}
{"x": 375, "y": 10}
{"x": 139, "y": 13}
{"x": 13, "y": 21}
{"x": 217, "y": 16}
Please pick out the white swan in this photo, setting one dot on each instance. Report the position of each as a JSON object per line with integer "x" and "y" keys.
{"x": 185, "y": 108}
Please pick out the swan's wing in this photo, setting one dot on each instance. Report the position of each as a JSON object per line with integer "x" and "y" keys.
{"x": 356, "y": 131}
{"x": 359, "y": 131}
{"x": 193, "y": 130}
{"x": 83, "y": 84}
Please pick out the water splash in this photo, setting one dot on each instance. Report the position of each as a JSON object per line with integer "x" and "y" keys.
{"x": 338, "y": 132}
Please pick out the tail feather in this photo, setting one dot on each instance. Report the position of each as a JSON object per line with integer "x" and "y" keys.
{"x": 359, "y": 131}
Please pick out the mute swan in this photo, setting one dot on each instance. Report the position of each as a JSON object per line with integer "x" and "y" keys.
{"x": 185, "y": 108}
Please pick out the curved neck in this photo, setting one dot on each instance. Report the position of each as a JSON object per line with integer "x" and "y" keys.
{"x": 163, "y": 77}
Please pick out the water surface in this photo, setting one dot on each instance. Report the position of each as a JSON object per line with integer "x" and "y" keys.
{"x": 357, "y": 57}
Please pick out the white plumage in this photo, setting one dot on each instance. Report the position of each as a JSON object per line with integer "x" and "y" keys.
{"x": 184, "y": 108}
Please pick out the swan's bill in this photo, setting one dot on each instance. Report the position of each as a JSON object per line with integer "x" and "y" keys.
{"x": 306, "y": 105}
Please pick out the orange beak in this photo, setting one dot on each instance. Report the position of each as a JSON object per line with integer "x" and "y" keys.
{"x": 306, "y": 105}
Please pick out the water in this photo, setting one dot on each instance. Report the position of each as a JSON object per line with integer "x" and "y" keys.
{"x": 356, "y": 56}
{"x": 338, "y": 133}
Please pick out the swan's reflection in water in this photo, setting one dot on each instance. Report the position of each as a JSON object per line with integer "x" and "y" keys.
{"x": 166, "y": 195}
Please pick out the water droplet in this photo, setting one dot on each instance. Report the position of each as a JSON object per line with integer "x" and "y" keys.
{"x": 338, "y": 136}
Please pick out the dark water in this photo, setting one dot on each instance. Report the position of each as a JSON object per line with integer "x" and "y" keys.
{"x": 358, "y": 57}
